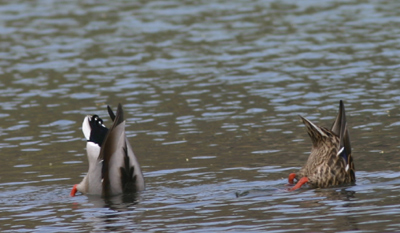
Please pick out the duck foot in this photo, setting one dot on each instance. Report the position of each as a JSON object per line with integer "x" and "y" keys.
{"x": 291, "y": 178}
{"x": 299, "y": 184}
{"x": 74, "y": 190}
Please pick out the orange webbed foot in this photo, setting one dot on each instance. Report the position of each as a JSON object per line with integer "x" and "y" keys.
{"x": 291, "y": 178}
{"x": 74, "y": 190}
{"x": 299, "y": 184}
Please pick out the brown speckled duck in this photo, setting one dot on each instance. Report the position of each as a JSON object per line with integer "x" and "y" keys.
{"x": 113, "y": 167}
{"x": 330, "y": 162}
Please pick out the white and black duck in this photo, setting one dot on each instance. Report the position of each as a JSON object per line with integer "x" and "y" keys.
{"x": 113, "y": 167}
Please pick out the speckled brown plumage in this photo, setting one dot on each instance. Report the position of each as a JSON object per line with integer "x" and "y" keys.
{"x": 330, "y": 162}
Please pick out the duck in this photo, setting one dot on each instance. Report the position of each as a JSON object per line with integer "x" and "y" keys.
{"x": 113, "y": 167}
{"x": 330, "y": 162}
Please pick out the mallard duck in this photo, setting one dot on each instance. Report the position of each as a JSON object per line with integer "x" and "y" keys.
{"x": 113, "y": 167}
{"x": 330, "y": 162}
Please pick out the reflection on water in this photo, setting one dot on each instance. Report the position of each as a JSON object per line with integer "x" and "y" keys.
{"x": 212, "y": 92}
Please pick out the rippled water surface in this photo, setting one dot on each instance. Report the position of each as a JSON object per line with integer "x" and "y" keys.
{"x": 212, "y": 91}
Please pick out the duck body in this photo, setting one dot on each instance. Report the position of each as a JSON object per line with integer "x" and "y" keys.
{"x": 330, "y": 162}
{"x": 113, "y": 167}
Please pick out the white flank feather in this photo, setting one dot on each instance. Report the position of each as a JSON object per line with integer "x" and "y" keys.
{"x": 86, "y": 129}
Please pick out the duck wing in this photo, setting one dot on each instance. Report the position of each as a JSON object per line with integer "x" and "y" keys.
{"x": 340, "y": 128}
{"x": 111, "y": 113}
{"x": 121, "y": 171}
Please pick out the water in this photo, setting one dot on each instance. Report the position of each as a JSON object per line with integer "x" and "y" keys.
{"x": 212, "y": 91}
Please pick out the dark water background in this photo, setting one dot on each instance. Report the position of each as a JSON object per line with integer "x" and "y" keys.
{"x": 212, "y": 91}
